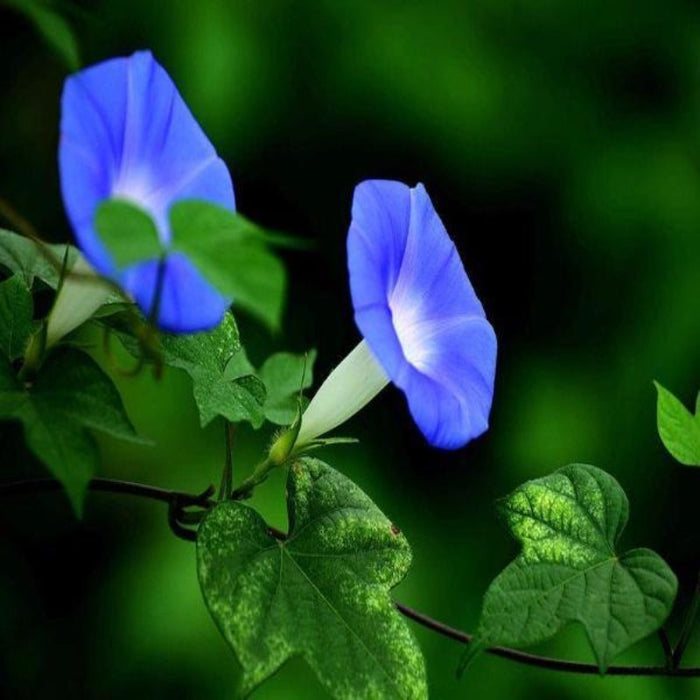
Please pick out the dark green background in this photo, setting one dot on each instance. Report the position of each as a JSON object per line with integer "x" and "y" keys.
{"x": 560, "y": 142}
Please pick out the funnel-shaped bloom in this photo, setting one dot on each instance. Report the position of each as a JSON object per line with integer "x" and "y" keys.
{"x": 424, "y": 327}
{"x": 126, "y": 133}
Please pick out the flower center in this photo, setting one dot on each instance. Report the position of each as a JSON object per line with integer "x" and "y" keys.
{"x": 410, "y": 332}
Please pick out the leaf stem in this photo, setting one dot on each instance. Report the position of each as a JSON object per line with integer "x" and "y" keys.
{"x": 227, "y": 475}
{"x": 688, "y": 624}
{"x": 178, "y": 500}
{"x": 666, "y": 645}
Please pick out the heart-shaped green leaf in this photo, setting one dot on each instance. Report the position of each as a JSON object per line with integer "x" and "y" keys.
{"x": 568, "y": 524}
{"x": 321, "y": 593}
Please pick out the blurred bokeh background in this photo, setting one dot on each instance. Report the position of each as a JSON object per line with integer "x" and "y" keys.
{"x": 560, "y": 143}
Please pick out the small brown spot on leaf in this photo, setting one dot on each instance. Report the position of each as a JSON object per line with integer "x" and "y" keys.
{"x": 395, "y": 530}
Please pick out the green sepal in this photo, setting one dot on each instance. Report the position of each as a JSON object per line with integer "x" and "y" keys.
{"x": 319, "y": 443}
{"x": 283, "y": 446}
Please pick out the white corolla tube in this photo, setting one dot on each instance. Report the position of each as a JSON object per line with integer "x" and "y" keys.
{"x": 348, "y": 388}
{"x": 81, "y": 294}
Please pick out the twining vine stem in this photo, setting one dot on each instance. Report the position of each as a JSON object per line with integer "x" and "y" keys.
{"x": 227, "y": 474}
{"x": 179, "y": 501}
{"x": 544, "y": 661}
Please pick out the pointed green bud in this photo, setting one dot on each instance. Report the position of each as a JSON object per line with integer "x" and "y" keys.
{"x": 282, "y": 447}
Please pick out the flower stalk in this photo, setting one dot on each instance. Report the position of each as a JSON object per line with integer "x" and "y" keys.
{"x": 260, "y": 473}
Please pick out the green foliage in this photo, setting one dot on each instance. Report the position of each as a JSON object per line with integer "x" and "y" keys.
{"x": 233, "y": 255}
{"x": 204, "y": 356}
{"x": 29, "y": 259}
{"x": 322, "y": 593}
{"x": 69, "y": 395}
{"x": 55, "y": 30}
{"x": 16, "y": 317}
{"x": 239, "y": 365}
{"x": 128, "y": 232}
{"x": 231, "y": 252}
{"x": 679, "y": 429}
{"x": 284, "y": 375}
{"x": 568, "y": 524}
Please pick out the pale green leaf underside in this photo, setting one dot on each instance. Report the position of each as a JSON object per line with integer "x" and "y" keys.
{"x": 322, "y": 594}
{"x": 70, "y": 394}
{"x": 568, "y": 570}
{"x": 678, "y": 428}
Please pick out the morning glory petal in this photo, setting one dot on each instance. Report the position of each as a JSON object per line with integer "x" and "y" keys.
{"x": 419, "y": 313}
{"x": 462, "y": 357}
{"x": 126, "y": 132}
{"x": 187, "y": 300}
{"x": 432, "y": 282}
{"x": 381, "y": 212}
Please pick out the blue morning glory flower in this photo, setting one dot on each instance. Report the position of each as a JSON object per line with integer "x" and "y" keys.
{"x": 127, "y": 133}
{"x": 424, "y": 327}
